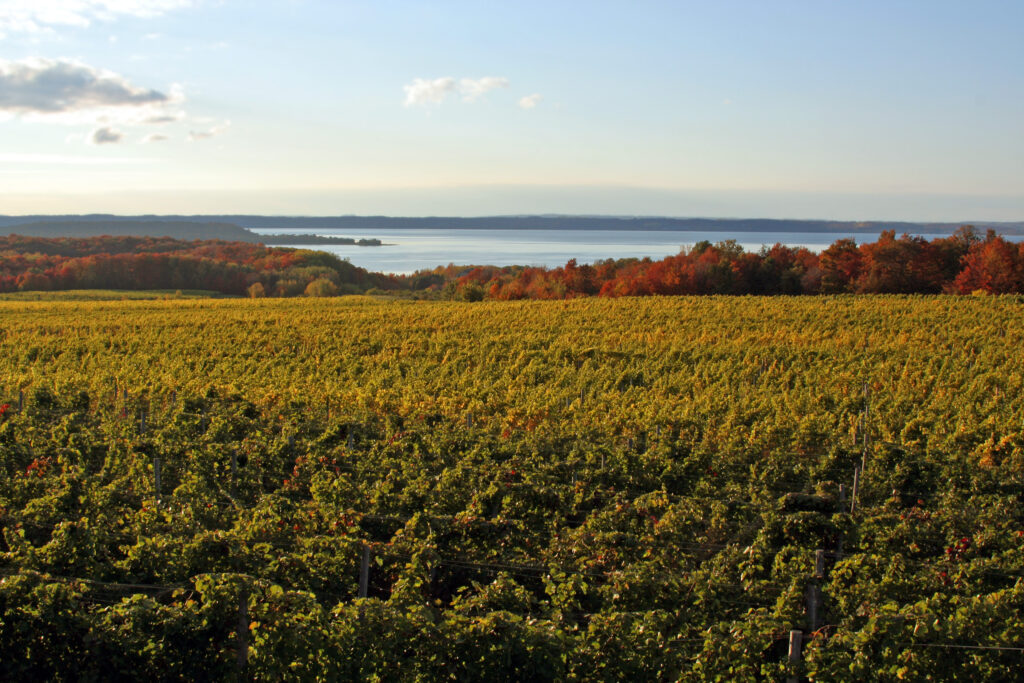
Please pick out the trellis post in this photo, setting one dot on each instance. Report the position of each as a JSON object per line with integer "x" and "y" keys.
{"x": 156, "y": 478}
{"x": 795, "y": 640}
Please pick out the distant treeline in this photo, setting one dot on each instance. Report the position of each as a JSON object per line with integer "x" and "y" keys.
{"x": 182, "y": 230}
{"x": 136, "y": 263}
{"x": 521, "y": 222}
{"x": 963, "y": 263}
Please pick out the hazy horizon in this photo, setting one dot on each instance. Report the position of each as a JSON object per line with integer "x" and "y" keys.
{"x": 491, "y": 201}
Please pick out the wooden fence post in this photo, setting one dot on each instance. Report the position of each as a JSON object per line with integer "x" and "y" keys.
{"x": 795, "y": 639}
{"x": 856, "y": 490}
{"x": 242, "y": 634}
{"x": 364, "y": 572}
{"x": 234, "y": 472}
{"x": 156, "y": 478}
{"x": 814, "y": 592}
{"x": 364, "y": 578}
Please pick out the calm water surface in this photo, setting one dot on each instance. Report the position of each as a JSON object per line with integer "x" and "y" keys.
{"x": 412, "y": 250}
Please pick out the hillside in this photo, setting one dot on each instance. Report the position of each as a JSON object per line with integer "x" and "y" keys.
{"x": 155, "y": 263}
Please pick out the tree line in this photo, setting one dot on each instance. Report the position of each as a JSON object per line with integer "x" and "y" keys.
{"x": 963, "y": 263}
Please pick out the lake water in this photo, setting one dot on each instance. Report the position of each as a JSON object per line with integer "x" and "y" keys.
{"x": 419, "y": 249}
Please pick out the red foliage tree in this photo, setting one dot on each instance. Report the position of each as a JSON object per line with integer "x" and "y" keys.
{"x": 994, "y": 266}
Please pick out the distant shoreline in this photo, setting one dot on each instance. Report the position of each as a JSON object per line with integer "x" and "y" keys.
{"x": 183, "y": 230}
{"x": 239, "y": 226}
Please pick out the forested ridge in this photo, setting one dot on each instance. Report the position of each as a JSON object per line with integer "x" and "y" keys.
{"x": 139, "y": 263}
{"x": 600, "y": 489}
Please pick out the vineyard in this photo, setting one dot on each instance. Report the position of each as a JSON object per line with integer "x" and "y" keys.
{"x": 703, "y": 488}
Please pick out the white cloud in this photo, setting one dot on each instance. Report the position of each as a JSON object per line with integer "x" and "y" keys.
{"x": 473, "y": 89}
{"x": 37, "y": 16}
{"x": 52, "y": 86}
{"x": 105, "y": 136}
{"x": 530, "y": 101}
{"x": 154, "y": 137}
{"x": 67, "y": 91}
{"x": 196, "y": 135}
{"x": 424, "y": 91}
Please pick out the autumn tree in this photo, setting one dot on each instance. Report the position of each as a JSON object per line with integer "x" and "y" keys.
{"x": 994, "y": 266}
{"x": 899, "y": 266}
{"x": 840, "y": 265}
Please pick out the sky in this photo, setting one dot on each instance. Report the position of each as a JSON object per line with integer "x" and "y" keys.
{"x": 867, "y": 110}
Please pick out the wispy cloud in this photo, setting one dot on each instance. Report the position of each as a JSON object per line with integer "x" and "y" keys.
{"x": 164, "y": 118}
{"x": 106, "y": 136}
{"x": 473, "y": 89}
{"x": 530, "y": 101}
{"x": 154, "y": 137}
{"x": 427, "y": 91}
{"x": 196, "y": 135}
{"x": 38, "y": 16}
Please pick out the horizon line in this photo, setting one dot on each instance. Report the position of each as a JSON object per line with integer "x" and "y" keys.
{"x": 608, "y": 216}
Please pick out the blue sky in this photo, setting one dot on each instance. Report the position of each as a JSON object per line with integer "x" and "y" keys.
{"x": 853, "y": 110}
